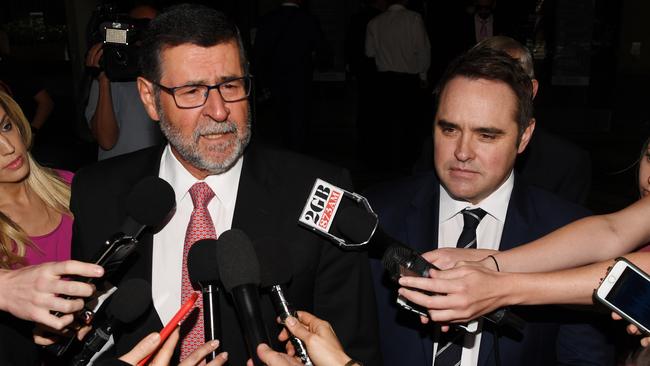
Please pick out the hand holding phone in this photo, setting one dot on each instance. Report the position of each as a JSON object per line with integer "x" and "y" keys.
{"x": 626, "y": 291}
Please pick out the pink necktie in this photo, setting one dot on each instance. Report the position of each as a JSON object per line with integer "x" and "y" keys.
{"x": 200, "y": 227}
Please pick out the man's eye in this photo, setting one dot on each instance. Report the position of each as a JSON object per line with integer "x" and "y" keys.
{"x": 233, "y": 85}
{"x": 189, "y": 91}
{"x": 487, "y": 136}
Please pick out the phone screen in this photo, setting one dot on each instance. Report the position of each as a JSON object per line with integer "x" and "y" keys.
{"x": 631, "y": 294}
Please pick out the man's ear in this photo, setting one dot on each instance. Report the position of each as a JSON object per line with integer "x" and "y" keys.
{"x": 526, "y": 136}
{"x": 146, "y": 90}
{"x": 535, "y": 87}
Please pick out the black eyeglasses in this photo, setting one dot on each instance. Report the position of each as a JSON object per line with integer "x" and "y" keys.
{"x": 194, "y": 96}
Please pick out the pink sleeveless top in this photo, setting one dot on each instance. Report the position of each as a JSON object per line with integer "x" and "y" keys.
{"x": 54, "y": 246}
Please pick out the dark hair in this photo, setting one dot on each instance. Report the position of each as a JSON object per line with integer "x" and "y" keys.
{"x": 490, "y": 64}
{"x": 513, "y": 48}
{"x": 181, "y": 24}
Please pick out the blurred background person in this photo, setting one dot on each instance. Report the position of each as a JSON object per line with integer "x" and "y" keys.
{"x": 397, "y": 40}
{"x": 115, "y": 114}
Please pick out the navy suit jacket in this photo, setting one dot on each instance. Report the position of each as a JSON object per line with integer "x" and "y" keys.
{"x": 408, "y": 211}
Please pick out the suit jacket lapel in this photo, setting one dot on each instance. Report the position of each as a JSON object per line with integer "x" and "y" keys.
{"x": 145, "y": 247}
{"x": 421, "y": 224}
{"x": 254, "y": 208}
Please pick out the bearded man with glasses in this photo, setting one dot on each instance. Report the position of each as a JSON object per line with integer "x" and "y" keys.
{"x": 195, "y": 82}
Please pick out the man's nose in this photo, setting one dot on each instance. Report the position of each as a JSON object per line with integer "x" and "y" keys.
{"x": 216, "y": 107}
{"x": 464, "y": 150}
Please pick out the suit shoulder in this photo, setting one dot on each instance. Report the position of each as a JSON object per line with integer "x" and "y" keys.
{"x": 547, "y": 202}
{"x": 286, "y": 167}
{"x": 402, "y": 191}
{"x": 286, "y": 161}
{"x": 122, "y": 168}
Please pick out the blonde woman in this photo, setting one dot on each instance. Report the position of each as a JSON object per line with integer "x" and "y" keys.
{"x": 35, "y": 227}
{"x": 35, "y": 222}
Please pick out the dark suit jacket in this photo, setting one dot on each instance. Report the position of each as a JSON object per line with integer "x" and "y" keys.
{"x": 408, "y": 211}
{"x": 557, "y": 165}
{"x": 16, "y": 345}
{"x": 274, "y": 185}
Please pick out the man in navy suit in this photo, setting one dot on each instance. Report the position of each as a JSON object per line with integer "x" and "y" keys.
{"x": 484, "y": 120}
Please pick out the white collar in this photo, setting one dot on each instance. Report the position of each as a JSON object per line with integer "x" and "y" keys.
{"x": 496, "y": 204}
{"x": 223, "y": 185}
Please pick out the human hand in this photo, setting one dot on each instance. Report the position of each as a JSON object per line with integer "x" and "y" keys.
{"x": 471, "y": 291}
{"x": 46, "y": 336}
{"x": 34, "y": 292}
{"x": 93, "y": 59}
{"x": 320, "y": 340}
{"x": 273, "y": 358}
{"x": 633, "y": 330}
{"x": 446, "y": 258}
{"x": 94, "y": 55}
{"x": 150, "y": 343}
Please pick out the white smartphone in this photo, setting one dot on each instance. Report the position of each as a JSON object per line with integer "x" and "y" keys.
{"x": 626, "y": 290}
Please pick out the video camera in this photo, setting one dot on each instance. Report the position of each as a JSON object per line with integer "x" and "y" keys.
{"x": 121, "y": 36}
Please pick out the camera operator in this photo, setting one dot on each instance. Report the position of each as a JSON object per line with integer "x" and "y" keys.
{"x": 115, "y": 114}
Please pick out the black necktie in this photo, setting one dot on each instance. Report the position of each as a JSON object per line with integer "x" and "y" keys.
{"x": 450, "y": 344}
{"x": 471, "y": 219}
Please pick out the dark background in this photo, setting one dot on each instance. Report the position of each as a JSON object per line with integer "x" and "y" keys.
{"x": 594, "y": 73}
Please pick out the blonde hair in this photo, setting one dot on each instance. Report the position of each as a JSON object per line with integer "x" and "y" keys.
{"x": 45, "y": 182}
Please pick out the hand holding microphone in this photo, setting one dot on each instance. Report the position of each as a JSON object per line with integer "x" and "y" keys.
{"x": 147, "y": 205}
{"x": 33, "y": 292}
{"x": 319, "y": 338}
{"x": 164, "y": 353}
{"x": 405, "y": 264}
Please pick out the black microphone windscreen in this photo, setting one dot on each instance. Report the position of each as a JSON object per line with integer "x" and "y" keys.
{"x": 355, "y": 224}
{"x": 275, "y": 261}
{"x": 393, "y": 257}
{"x": 130, "y": 300}
{"x": 237, "y": 260}
{"x": 202, "y": 261}
{"x": 150, "y": 201}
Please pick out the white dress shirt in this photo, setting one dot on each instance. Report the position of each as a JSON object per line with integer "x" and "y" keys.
{"x": 488, "y": 236}
{"x": 398, "y": 41}
{"x": 167, "y": 257}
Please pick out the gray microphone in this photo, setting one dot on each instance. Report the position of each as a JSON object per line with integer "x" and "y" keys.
{"x": 203, "y": 270}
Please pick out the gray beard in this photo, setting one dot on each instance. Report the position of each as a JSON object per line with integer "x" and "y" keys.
{"x": 188, "y": 147}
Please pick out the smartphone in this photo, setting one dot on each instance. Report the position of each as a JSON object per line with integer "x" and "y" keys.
{"x": 172, "y": 324}
{"x": 626, "y": 290}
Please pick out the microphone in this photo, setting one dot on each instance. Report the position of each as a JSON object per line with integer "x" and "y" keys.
{"x": 147, "y": 205}
{"x": 276, "y": 272}
{"x": 129, "y": 302}
{"x": 203, "y": 271}
{"x": 239, "y": 270}
{"x": 399, "y": 260}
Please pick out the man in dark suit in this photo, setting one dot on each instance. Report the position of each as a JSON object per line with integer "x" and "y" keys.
{"x": 484, "y": 120}
{"x": 195, "y": 83}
